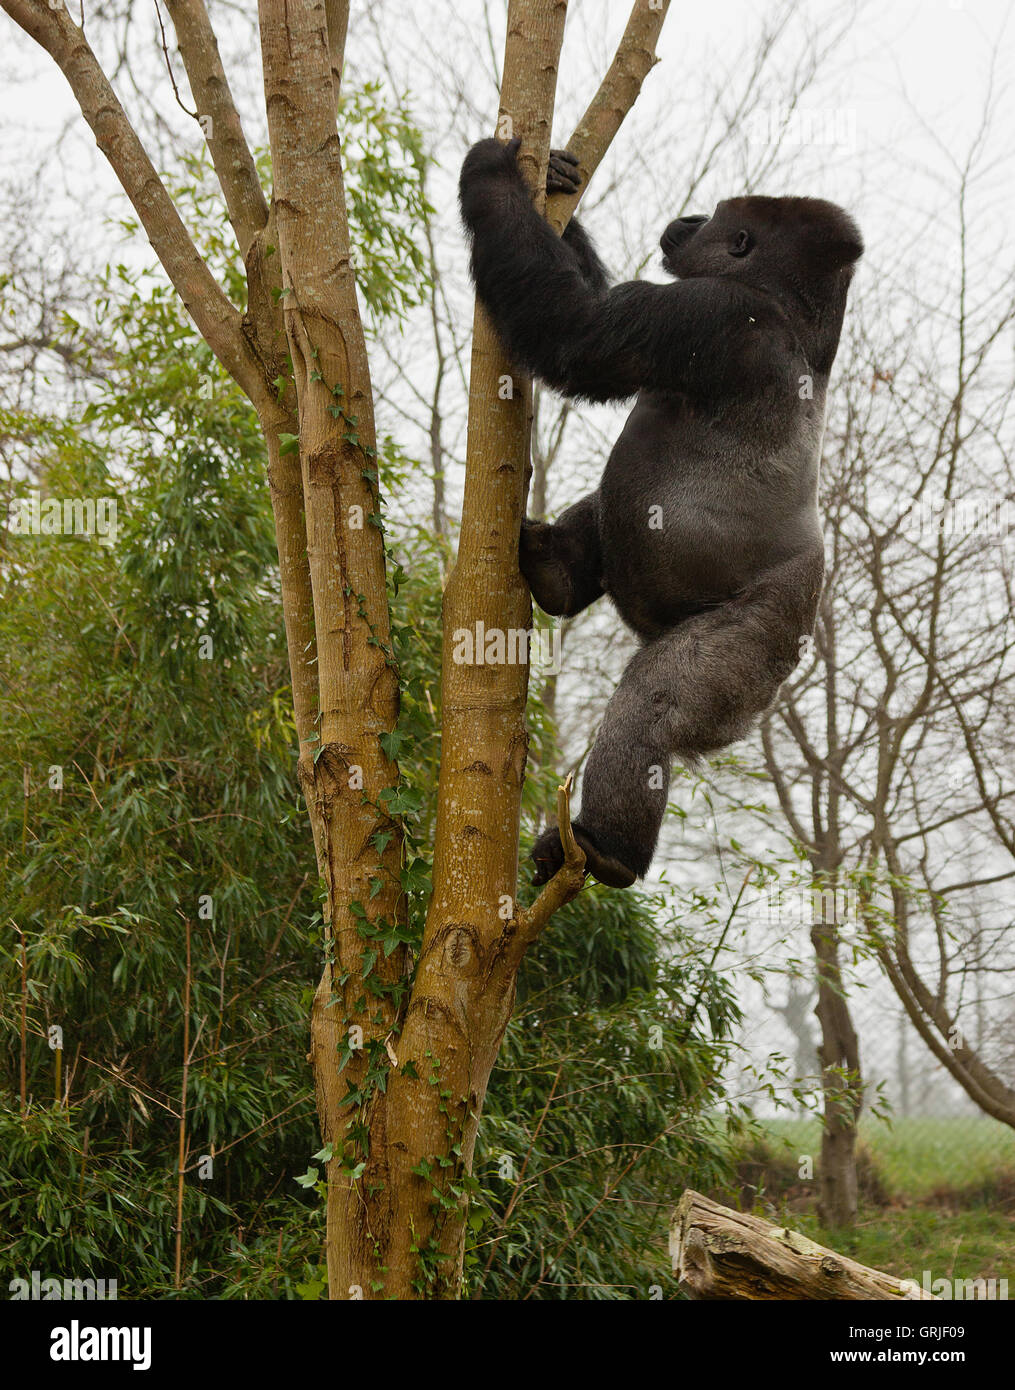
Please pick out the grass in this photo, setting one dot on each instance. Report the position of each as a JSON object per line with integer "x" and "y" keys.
{"x": 975, "y": 1243}
{"x": 920, "y": 1158}
{"x": 936, "y": 1194}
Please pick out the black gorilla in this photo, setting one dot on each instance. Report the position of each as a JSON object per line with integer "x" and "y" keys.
{"x": 704, "y": 531}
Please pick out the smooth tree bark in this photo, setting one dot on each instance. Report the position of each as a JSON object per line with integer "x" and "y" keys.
{"x": 401, "y": 1062}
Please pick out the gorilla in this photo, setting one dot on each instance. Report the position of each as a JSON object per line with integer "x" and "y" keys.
{"x": 704, "y": 531}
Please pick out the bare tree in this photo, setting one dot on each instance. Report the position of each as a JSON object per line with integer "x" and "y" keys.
{"x": 890, "y": 750}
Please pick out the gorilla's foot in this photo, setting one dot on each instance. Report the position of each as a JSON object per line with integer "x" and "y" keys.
{"x": 548, "y": 853}
{"x": 543, "y": 569}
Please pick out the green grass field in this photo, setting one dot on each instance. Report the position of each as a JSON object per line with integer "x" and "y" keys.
{"x": 938, "y": 1194}
{"x": 975, "y": 1243}
{"x": 917, "y": 1158}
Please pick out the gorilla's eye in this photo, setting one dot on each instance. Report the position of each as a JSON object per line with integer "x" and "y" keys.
{"x": 742, "y": 243}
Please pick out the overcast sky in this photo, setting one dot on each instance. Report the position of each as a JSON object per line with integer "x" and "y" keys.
{"x": 905, "y": 62}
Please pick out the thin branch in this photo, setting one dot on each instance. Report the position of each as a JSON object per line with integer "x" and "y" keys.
{"x": 565, "y": 884}
{"x": 169, "y": 65}
{"x": 220, "y": 121}
{"x": 217, "y": 320}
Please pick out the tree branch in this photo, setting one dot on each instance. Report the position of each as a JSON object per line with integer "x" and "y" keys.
{"x": 633, "y": 61}
{"x": 565, "y": 885}
{"x": 220, "y": 121}
{"x": 217, "y": 320}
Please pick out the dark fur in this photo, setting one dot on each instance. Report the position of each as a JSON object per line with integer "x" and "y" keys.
{"x": 720, "y": 438}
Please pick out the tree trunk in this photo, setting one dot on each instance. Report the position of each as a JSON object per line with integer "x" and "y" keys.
{"x": 722, "y": 1254}
{"x": 345, "y": 773}
{"x": 839, "y": 1057}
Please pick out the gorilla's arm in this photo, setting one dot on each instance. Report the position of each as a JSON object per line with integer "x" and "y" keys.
{"x": 550, "y": 302}
{"x": 562, "y": 176}
{"x": 592, "y": 269}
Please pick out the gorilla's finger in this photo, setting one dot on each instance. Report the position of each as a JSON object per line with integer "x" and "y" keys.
{"x": 562, "y": 177}
{"x": 562, "y": 173}
{"x": 545, "y": 870}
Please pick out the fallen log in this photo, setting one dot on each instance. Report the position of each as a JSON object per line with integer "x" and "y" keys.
{"x": 718, "y": 1253}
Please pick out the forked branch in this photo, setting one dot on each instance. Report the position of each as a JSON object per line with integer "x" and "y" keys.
{"x": 217, "y": 320}
{"x": 566, "y": 882}
{"x": 633, "y": 61}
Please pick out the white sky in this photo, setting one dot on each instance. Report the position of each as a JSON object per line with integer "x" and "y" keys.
{"x": 905, "y": 61}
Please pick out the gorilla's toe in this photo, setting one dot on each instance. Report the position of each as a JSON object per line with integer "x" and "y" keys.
{"x": 548, "y": 854}
{"x": 606, "y": 867}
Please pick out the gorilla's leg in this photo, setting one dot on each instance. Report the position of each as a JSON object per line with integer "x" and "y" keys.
{"x": 692, "y": 691}
{"x": 562, "y": 563}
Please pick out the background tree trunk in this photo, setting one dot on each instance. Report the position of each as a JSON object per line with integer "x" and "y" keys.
{"x": 839, "y": 1055}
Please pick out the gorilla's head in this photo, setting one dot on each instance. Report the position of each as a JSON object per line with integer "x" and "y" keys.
{"x": 771, "y": 243}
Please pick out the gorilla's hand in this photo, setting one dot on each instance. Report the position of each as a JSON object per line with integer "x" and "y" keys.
{"x": 491, "y": 183}
{"x": 537, "y": 558}
{"x": 492, "y": 158}
{"x": 562, "y": 174}
{"x": 548, "y": 854}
